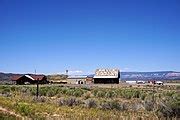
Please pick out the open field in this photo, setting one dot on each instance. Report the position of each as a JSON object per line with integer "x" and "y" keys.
{"x": 128, "y": 102}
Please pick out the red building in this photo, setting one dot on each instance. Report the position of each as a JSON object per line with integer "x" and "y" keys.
{"x": 29, "y": 79}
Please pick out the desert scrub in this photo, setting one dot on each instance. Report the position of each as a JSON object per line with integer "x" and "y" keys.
{"x": 111, "y": 94}
{"x": 32, "y": 91}
{"x": 99, "y": 93}
{"x": 25, "y": 109}
{"x": 77, "y": 92}
{"x": 6, "y": 116}
{"x": 87, "y": 95}
{"x": 6, "y": 90}
{"x": 128, "y": 94}
{"x": 23, "y": 89}
{"x": 173, "y": 105}
{"x": 143, "y": 95}
{"x": 6, "y": 102}
{"x": 40, "y": 99}
{"x": 149, "y": 105}
{"x": 113, "y": 105}
{"x": 69, "y": 102}
{"x": 178, "y": 87}
{"x": 169, "y": 93}
{"x": 91, "y": 103}
{"x": 169, "y": 107}
{"x": 49, "y": 91}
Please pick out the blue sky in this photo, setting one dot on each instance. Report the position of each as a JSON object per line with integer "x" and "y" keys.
{"x": 82, "y": 35}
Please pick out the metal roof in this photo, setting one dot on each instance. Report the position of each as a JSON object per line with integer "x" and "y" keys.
{"x": 107, "y": 73}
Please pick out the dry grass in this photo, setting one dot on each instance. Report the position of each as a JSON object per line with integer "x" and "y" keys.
{"x": 88, "y": 103}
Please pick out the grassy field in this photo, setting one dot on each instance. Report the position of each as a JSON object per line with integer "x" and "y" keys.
{"x": 90, "y": 102}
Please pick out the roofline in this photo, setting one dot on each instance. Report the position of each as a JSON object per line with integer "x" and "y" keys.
{"x": 105, "y": 77}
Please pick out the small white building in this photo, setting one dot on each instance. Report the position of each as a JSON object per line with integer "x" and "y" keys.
{"x": 159, "y": 83}
{"x": 141, "y": 82}
{"x": 77, "y": 79}
{"x": 131, "y": 82}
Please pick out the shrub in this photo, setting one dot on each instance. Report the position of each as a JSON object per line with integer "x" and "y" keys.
{"x": 110, "y": 105}
{"x": 128, "y": 94}
{"x": 111, "y": 94}
{"x": 6, "y": 116}
{"x": 64, "y": 91}
{"x": 135, "y": 106}
{"x": 51, "y": 93}
{"x": 169, "y": 93}
{"x": 164, "y": 110}
{"x": 69, "y": 92}
{"x": 40, "y": 99}
{"x": 136, "y": 94}
{"x": 24, "y": 109}
{"x": 33, "y": 91}
{"x": 178, "y": 87}
{"x": 8, "y": 94}
{"x": 24, "y": 89}
{"x": 86, "y": 88}
{"x": 87, "y": 95}
{"x": 13, "y": 88}
{"x": 78, "y": 92}
{"x": 170, "y": 107}
{"x": 91, "y": 103}
{"x": 149, "y": 105}
{"x": 43, "y": 91}
{"x": 69, "y": 102}
{"x": 143, "y": 96}
{"x": 6, "y": 90}
{"x": 95, "y": 92}
{"x": 101, "y": 94}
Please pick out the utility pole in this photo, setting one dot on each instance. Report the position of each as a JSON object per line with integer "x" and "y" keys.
{"x": 153, "y": 95}
{"x": 37, "y": 88}
{"x": 37, "y": 92}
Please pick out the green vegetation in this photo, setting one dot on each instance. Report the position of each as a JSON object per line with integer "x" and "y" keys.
{"x": 86, "y": 103}
{"x": 6, "y": 116}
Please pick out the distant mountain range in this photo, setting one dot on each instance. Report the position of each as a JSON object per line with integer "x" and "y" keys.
{"x": 6, "y": 77}
{"x": 161, "y": 75}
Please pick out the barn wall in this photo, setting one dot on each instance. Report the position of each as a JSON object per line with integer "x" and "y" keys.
{"x": 106, "y": 80}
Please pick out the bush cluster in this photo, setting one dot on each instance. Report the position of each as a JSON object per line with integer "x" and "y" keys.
{"x": 25, "y": 109}
{"x": 69, "y": 102}
{"x": 91, "y": 103}
{"x": 113, "y": 105}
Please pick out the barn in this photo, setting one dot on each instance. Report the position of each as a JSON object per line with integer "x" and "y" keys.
{"x": 107, "y": 76}
{"x": 29, "y": 79}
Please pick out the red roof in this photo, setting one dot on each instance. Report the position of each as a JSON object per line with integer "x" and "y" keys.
{"x": 35, "y": 77}
{"x": 16, "y": 77}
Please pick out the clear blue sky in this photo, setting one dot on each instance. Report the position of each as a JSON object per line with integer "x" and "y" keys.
{"x": 55, "y": 35}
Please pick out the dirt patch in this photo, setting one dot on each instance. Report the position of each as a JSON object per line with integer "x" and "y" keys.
{"x": 6, "y": 111}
